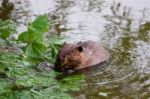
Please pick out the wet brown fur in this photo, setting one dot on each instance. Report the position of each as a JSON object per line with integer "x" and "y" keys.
{"x": 80, "y": 55}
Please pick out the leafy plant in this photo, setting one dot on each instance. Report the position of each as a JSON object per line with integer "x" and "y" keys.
{"x": 7, "y": 61}
{"x": 23, "y": 80}
{"x": 6, "y": 28}
{"x": 55, "y": 43}
{"x": 20, "y": 79}
{"x": 34, "y": 37}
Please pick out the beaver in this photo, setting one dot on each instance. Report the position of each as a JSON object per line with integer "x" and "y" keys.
{"x": 80, "y": 55}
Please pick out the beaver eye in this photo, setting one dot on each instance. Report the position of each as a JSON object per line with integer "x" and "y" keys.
{"x": 80, "y": 48}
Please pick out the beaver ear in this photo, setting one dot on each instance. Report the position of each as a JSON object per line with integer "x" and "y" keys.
{"x": 80, "y": 48}
{"x": 64, "y": 43}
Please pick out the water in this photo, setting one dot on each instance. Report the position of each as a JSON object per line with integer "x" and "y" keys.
{"x": 123, "y": 26}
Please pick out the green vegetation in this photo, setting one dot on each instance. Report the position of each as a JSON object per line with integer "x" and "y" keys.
{"x": 144, "y": 32}
{"x": 20, "y": 73}
{"x": 34, "y": 37}
{"x": 6, "y": 28}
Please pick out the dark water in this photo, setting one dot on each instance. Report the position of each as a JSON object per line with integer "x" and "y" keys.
{"x": 123, "y": 26}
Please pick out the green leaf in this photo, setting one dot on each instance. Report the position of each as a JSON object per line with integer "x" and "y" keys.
{"x": 56, "y": 40}
{"x": 55, "y": 43}
{"x": 34, "y": 49}
{"x": 72, "y": 83}
{"x": 40, "y": 24}
{"x": 35, "y": 30}
{"x": 6, "y": 28}
{"x": 3, "y": 86}
{"x": 54, "y": 51}
{"x": 30, "y": 36}
{"x": 7, "y": 61}
{"x": 5, "y": 33}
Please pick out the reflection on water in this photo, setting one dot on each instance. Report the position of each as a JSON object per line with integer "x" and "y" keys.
{"x": 123, "y": 26}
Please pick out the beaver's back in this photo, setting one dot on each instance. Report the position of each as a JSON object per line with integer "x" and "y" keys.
{"x": 94, "y": 52}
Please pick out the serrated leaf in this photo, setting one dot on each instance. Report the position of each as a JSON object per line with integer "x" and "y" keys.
{"x": 40, "y": 24}
{"x": 34, "y": 49}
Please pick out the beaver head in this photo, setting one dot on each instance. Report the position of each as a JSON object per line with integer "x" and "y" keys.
{"x": 80, "y": 55}
{"x": 69, "y": 57}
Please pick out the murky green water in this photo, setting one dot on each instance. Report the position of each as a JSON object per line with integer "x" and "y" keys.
{"x": 123, "y": 26}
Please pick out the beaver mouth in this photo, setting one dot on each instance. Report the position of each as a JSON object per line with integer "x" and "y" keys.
{"x": 63, "y": 67}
